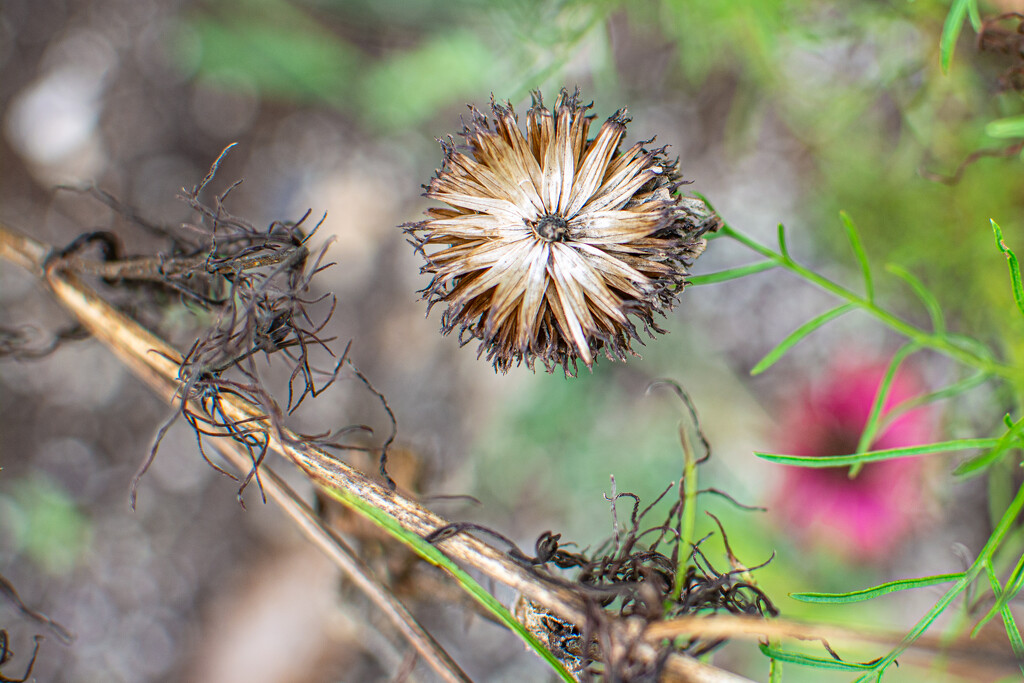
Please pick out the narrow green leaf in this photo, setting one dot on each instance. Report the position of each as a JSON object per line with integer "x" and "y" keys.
{"x": 931, "y": 304}
{"x": 799, "y": 333}
{"x": 862, "y": 257}
{"x": 872, "y": 426}
{"x": 1010, "y": 127}
{"x": 1007, "y": 441}
{"x": 815, "y": 461}
{"x": 994, "y": 542}
{"x": 1011, "y": 259}
{"x": 1003, "y": 597}
{"x": 731, "y": 273}
{"x": 432, "y": 554}
{"x": 1009, "y": 623}
{"x": 954, "y": 389}
{"x": 875, "y": 591}
{"x": 971, "y": 345}
{"x": 974, "y": 15}
{"x": 951, "y": 31}
{"x": 783, "y": 247}
{"x": 809, "y": 660}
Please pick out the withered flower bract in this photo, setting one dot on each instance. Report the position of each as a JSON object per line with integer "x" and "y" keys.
{"x": 554, "y": 240}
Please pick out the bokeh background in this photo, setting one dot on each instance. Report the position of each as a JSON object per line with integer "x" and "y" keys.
{"x": 780, "y": 112}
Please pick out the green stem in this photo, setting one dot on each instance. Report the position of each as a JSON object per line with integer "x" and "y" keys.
{"x": 689, "y": 513}
{"x": 930, "y": 340}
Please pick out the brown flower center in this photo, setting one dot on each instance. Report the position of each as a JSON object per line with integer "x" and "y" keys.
{"x": 552, "y": 228}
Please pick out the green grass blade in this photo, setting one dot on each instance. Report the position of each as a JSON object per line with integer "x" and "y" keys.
{"x": 1009, "y": 127}
{"x": 810, "y": 660}
{"x": 951, "y": 32}
{"x": 432, "y": 554}
{"x": 731, "y": 273}
{"x": 931, "y": 304}
{"x": 1011, "y": 259}
{"x": 873, "y": 424}
{"x": 799, "y": 333}
{"x": 862, "y": 257}
{"x": 815, "y": 461}
{"x": 875, "y": 591}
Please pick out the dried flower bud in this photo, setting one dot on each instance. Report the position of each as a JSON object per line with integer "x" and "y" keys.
{"x": 554, "y": 240}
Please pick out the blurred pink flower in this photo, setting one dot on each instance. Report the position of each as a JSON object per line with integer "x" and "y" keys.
{"x": 862, "y": 518}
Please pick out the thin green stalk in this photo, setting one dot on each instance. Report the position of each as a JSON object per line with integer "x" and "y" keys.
{"x": 930, "y": 340}
{"x": 689, "y": 513}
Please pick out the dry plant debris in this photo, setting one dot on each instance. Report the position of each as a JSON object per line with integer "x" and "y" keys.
{"x": 254, "y": 284}
{"x": 642, "y": 575}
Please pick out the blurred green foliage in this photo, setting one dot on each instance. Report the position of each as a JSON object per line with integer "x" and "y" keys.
{"x": 46, "y": 524}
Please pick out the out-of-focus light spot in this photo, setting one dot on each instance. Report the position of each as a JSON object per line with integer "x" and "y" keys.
{"x": 55, "y": 117}
{"x": 52, "y": 122}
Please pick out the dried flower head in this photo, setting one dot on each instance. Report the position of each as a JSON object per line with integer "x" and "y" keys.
{"x": 554, "y": 240}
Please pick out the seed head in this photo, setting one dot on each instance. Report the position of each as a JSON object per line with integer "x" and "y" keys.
{"x": 555, "y": 243}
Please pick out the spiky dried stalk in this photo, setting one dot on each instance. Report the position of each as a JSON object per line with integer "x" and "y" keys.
{"x": 554, "y": 242}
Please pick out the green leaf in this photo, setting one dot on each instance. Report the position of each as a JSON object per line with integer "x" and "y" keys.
{"x": 1010, "y": 127}
{"x": 974, "y": 15}
{"x": 875, "y": 591}
{"x": 799, "y": 333}
{"x": 809, "y": 660}
{"x": 924, "y": 294}
{"x": 1011, "y": 259}
{"x": 815, "y": 461}
{"x": 862, "y": 257}
{"x": 951, "y": 32}
{"x": 731, "y": 273}
{"x": 433, "y": 554}
{"x": 871, "y": 427}
{"x": 1007, "y": 441}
